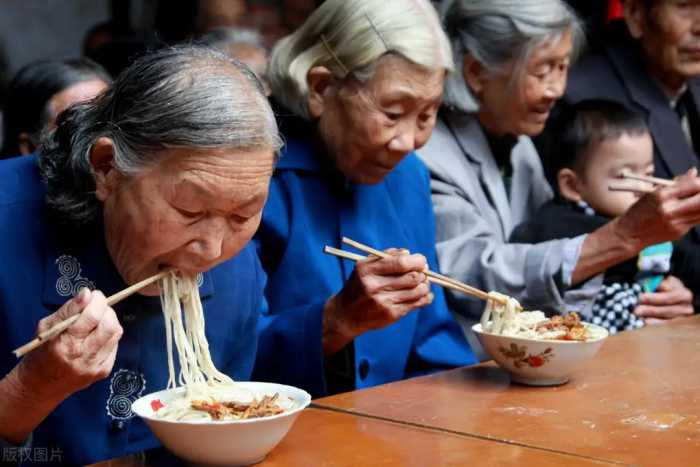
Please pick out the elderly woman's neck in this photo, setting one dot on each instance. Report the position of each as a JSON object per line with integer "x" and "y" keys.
{"x": 492, "y": 124}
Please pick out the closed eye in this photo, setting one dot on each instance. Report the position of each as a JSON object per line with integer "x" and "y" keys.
{"x": 393, "y": 116}
{"x": 189, "y": 214}
{"x": 240, "y": 219}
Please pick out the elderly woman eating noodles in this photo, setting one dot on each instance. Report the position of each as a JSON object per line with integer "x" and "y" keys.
{"x": 487, "y": 177}
{"x": 168, "y": 169}
{"x": 359, "y": 86}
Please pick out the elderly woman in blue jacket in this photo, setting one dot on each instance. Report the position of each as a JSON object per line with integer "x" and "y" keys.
{"x": 169, "y": 168}
{"x": 359, "y": 86}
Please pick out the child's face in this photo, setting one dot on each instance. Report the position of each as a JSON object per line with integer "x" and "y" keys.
{"x": 605, "y": 165}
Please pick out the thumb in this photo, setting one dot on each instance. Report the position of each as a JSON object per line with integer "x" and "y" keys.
{"x": 77, "y": 304}
{"x": 70, "y": 308}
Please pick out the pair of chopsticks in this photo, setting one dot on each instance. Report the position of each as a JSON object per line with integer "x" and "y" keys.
{"x": 642, "y": 178}
{"x": 54, "y": 331}
{"x": 433, "y": 277}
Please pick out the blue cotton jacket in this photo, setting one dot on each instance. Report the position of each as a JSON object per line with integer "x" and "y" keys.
{"x": 309, "y": 207}
{"x": 39, "y": 273}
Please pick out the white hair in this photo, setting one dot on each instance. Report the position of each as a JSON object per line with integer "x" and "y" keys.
{"x": 500, "y": 32}
{"x": 348, "y": 37}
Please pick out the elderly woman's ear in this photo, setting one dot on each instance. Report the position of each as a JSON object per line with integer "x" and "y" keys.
{"x": 102, "y": 163}
{"x": 474, "y": 73}
{"x": 25, "y": 144}
{"x": 320, "y": 81}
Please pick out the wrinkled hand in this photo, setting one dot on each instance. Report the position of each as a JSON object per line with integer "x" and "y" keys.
{"x": 80, "y": 355}
{"x": 664, "y": 215}
{"x": 379, "y": 292}
{"x": 671, "y": 300}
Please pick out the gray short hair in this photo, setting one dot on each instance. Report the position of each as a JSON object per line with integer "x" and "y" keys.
{"x": 499, "y": 32}
{"x": 349, "y": 37}
{"x": 180, "y": 97}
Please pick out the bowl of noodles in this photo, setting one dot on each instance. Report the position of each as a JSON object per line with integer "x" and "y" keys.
{"x": 534, "y": 349}
{"x": 235, "y": 425}
{"x": 203, "y": 416}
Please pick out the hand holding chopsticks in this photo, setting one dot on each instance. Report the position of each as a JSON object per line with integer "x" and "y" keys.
{"x": 54, "y": 331}
{"x": 434, "y": 277}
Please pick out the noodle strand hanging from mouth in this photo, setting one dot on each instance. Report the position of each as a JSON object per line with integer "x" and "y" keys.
{"x": 186, "y": 331}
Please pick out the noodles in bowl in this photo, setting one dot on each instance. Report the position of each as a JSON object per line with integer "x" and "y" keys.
{"x": 536, "y": 350}
{"x": 504, "y": 319}
{"x": 203, "y": 415}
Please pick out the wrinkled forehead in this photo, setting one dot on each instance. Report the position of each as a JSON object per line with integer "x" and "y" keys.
{"x": 396, "y": 78}
{"x": 216, "y": 172}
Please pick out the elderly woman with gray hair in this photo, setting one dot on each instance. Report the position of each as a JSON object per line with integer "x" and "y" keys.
{"x": 168, "y": 169}
{"x": 359, "y": 85}
{"x": 486, "y": 177}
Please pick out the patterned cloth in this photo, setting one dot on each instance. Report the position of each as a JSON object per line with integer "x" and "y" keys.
{"x": 614, "y": 306}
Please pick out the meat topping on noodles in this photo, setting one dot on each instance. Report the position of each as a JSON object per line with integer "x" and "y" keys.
{"x": 265, "y": 407}
{"x": 568, "y": 328}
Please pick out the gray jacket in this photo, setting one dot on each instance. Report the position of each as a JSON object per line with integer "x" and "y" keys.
{"x": 475, "y": 218}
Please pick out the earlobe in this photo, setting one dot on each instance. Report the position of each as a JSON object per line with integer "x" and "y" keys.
{"x": 319, "y": 80}
{"x": 102, "y": 164}
{"x": 567, "y": 182}
{"x": 25, "y": 144}
{"x": 473, "y": 73}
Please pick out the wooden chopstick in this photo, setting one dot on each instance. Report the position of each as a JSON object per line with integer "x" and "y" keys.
{"x": 466, "y": 288}
{"x": 355, "y": 257}
{"x": 649, "y": 179}
{"x": 630, "y": 189}
{"x": 433, "y": 277}
{"x": 47, "y": 335}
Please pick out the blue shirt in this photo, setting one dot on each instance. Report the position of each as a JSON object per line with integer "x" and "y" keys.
{"x": 40, "y": 273}
{"x": 309, "y": 207}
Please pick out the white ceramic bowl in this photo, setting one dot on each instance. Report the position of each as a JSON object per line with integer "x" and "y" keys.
{"x": 232, "y": 442}
{"x": 540, "y": 362}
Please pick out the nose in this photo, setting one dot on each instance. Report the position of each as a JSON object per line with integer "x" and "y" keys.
{"x": 695, "y": 28}
{"x": 404, "y": 141}
{"x": 208, "y": 246}
{"x": 556, "y": 87}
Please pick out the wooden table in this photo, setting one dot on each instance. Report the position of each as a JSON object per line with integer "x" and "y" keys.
{"x": 333, "y": 439}
{"x": 637, "y": 402}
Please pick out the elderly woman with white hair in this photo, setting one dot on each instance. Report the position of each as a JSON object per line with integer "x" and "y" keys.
{"x": 486, "y": 176}
{"x": 169, "y": 168}
{"x": 359, "y": 85}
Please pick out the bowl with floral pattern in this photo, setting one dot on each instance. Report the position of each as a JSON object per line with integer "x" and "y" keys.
{"x": 540, "y": 362}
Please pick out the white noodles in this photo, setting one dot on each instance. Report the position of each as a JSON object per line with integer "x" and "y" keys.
{"x": 505, "y": 319}
{"x": 499, "y": 317}
{"x": 184, "y": 326}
